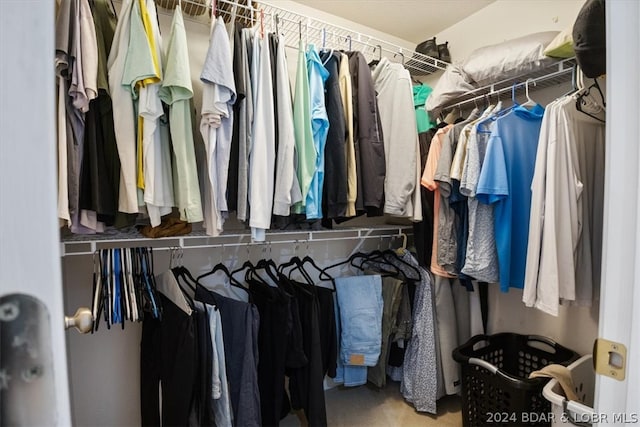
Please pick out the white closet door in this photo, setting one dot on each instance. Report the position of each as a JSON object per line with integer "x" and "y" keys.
{"x": 620, "y": 292}
{"x": 33, "y": 368}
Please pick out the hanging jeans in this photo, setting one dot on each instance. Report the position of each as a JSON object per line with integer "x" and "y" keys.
{"x": 360, "y": 304}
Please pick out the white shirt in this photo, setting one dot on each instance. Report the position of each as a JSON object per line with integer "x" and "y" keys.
{"x": 158, "y": 178}
{"x": 262, "y": 152}
{"x": 563, "y": 253}
{"x": 216, "y": 125}
{"x": 287, "y": 186}
{"x": 123, "y": 114}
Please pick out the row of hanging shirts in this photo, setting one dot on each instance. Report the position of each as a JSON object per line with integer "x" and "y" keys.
{"x": 518, "y": 197}
{"x": 341, "y": 147}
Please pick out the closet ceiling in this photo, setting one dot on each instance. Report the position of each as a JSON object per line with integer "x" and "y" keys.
{"x": 411, "y": 20}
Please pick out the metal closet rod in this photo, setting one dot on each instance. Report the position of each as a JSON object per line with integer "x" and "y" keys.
{"x": 97, "y": 244}
{"x": 489, "y": 91}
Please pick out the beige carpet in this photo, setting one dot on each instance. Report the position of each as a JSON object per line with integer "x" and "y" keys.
{"x": 370, "y": 407}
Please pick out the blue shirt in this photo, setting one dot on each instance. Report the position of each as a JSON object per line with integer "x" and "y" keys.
{"x": 320, "y": 127}
{"x": 505, "y": 180}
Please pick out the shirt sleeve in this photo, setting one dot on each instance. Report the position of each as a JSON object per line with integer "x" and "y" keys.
{"x": 428, "y": 176}
{"x": 493, "y": 184}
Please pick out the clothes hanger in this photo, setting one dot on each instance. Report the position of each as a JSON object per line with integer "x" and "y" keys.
{"x": 401, "y": 54}
{"x": 376, "y": 61}
{"x": 580, "y": 102}
{"x": 309, "y": 260}
{"x": 149, "y": 281}
{"x": 222, "y": 267}
{"x": 530, "y": 102}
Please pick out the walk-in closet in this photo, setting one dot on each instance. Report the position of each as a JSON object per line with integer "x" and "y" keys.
{"x": 319, "y": 213}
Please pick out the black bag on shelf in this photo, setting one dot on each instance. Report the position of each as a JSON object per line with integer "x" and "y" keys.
{"x": 443, "y": 52}
{"x": 429, "y": 48}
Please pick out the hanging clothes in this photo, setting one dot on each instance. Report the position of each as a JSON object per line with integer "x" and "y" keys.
{"x": 393, "y": 86}
{"x": 100, "y": 164}
{"x": 216, "y": 125}
{"x": 168, "y": 362}
{"x": 176, "y": 92}
{"x": 240, "y": 324}
{"x": 481, "y": 257}
{"x": 240, "y": 85}
{"x": 452, "y": 212}
{"x": 346, "y": 94}
{"x": 287, "y": 187}
{"x": 123, "y": 111}
{"x": 262, "y": 153}
{"x": 505, "y": 181}
{"x": 565, "y": 230}
{"x": 302, "y": 128}
{"x": 245, "y": 122}
{"x": 317, "y": 76}
{"x": 419, "y": 380}
{"x": 428, "y": 181}
{"x": 335, "y": 188}
{"x": 367, "y": 137}
{"x": 156, "y": 177}
{"x": 420, "y": 94}
{"x": 77, "y": 66}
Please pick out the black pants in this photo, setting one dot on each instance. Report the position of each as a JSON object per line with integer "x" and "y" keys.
{"x": 168, "y": 355}
{"x": 273, "y": 306}
{"x": 306, "y": 383}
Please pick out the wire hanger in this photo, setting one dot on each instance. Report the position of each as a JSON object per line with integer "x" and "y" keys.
{"x": 401, "y": 54}
{"x": 377, "y": 60}
{"x": 348, "y": 38}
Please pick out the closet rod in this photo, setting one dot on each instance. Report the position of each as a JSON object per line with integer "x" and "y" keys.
{"x": 564, "y": 70}
{"x": 183, "y": 242}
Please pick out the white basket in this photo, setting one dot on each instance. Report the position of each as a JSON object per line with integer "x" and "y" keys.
{"x": 571, "y": 413}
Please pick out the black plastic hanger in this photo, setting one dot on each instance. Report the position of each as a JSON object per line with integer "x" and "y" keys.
{"x": 587, "y": 92}
{"x": 222, "y": 267}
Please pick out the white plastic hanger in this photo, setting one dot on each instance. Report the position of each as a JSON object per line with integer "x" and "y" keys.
{"x": 530, "y": 102}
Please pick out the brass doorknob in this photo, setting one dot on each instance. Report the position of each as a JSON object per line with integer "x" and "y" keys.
{"x": 82, "y": 320}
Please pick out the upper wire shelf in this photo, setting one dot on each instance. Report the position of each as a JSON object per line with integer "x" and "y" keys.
{"x": 557, "y": 73}
{"x": 293, "y": 27}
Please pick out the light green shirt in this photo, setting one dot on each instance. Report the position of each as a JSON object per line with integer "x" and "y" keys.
{"x": 307, "y": 155}
{"x": 176, "y": 92}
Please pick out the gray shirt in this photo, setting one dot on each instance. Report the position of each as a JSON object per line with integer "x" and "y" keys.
{"x": 481, "y": 260}
{"x": 447, "y": 232}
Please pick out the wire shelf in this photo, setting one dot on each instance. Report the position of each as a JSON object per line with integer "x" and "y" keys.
{"x": 293, "y": 27}
{"x": 555, "y": 74}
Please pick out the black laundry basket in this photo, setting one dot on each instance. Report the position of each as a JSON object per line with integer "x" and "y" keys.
{"x": 496, "y": 389}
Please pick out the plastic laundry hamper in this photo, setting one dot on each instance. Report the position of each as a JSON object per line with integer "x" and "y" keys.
{"x": 567, "y": 412}
{"x": 496, "y": 389}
